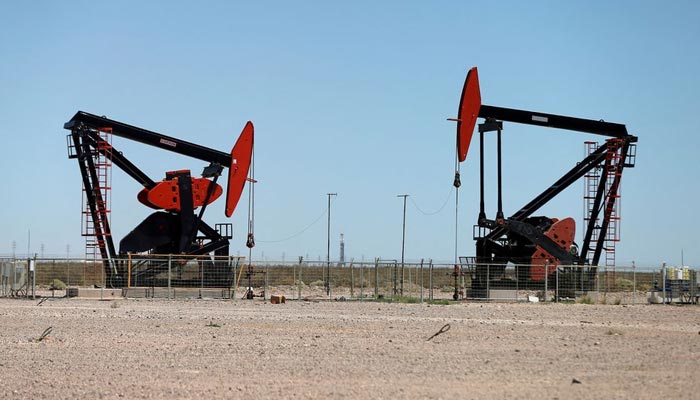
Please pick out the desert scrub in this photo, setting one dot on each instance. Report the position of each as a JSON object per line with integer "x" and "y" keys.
{"x": 440, "y": 302}
{"x": 624, "y": 284}
{"x": 57, "y": 284}
{"x": 399, "y": 299}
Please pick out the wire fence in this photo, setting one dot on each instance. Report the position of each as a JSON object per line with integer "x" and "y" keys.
{"x": 179, "y": 276}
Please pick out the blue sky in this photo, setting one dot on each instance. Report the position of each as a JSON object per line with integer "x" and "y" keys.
{"x": 352, "y": 98}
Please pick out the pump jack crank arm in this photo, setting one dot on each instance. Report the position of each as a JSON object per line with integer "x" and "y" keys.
{"x": 539, "y": 238}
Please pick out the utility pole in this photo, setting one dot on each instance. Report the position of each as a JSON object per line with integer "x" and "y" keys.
{"x": 403, "y": 239}
{"x": 328, "y": 247}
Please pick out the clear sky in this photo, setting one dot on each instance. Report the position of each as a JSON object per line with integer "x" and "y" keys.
{"x": 352, "y": 97}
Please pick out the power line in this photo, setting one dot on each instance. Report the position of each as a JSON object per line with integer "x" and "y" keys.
{"x": 301, "y": 231}
{"x": 449, "y": 195}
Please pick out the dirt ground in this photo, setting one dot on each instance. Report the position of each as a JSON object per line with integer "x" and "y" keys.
{"x": 222, "y": 349}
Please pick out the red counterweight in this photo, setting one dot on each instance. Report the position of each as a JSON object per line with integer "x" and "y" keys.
{"x": 166, "y": 194}
{"x": 562, "y": 232}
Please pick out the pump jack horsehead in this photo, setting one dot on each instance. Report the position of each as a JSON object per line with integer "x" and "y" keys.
{"x": 541, "y": 244}
{"x": 177, "y": 227}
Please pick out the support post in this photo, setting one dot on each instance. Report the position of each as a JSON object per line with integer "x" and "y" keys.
{"x": 36, "y": 267}
{"x": 170, "y": 269}
{"x": 430, "y": 279}
{"x": 634, "y": 284}
{"x": 488, "y": 282}
{"x": 517, "y": 282}
{"x": 403, "y": 241}
{"x": 499, "y": 213}
{"x": 376, "y": 278}
{"x": 362, "y": 280}
{"x": 482, "y": 207}
{"x": 546, "y": 280}
{"x": 352, "y": 281}
{"x": 128, "y": 272}
{"x": 235, "y": 274}
{"x": 421, "y": 280}
{"x": 328, "y": 247}
{"x": 663, "y": 281}
{"x": 299, "y": 282}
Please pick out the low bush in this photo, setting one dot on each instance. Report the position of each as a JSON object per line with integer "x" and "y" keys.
{"x": 624, "y": 284}
{"x": 57, "y": 284}
{"x": 440, "y": 302}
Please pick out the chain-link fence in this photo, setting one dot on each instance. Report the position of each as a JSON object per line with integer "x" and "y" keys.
{"x": 179, "y": 276}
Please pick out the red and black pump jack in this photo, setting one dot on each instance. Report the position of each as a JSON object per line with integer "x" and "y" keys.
{"x": 541, "y": 244}
{"x": 176, "y": 228}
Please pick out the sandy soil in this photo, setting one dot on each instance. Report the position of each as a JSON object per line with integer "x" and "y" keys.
{"x": 213, "y": 349}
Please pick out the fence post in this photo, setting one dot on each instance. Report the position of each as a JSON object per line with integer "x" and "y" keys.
{"x": 634, "y": 284}
{"x": 267, "y": 270}
{"x": 396, "y": 278}
{"x": 556, "y": 293}
{"x": 362, "y": 280}
{"x": 546, "y": 279}
{"x": 421, "y": 280}
{"x": 104, "y": 279}
{"x": 36, "y": 268}
{"x": 170, "y": 269}
{"x": 663, "y": 280}
{"x": 235, "y": 274}
{"x": 352, "y": 281}
{"x": 299, "y": 281}
{"x": 128, "y": 272}
{"x": 517, "y": 283}
{"x": 430, "y": 279}
{"x": 376, "y": 277}
{"x": 488, "y": 282}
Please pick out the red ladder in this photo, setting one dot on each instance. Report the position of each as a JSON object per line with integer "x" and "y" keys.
{"x": 612, "y": 169}
{"x": 101, "y": 158}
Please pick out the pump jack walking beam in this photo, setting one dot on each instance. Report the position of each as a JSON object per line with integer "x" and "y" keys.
{"x": 151, "y": 138}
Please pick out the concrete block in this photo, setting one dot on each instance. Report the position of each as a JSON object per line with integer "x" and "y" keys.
{"x": 94, "y": 293}
{"x": 503, "y": 295}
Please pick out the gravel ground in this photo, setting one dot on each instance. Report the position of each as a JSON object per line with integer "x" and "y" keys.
{"x": 253, "y": 349}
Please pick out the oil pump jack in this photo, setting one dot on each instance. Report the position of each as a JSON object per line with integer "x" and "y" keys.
{"x": 541, "y": 244}
{"x": 177, "y": 228}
